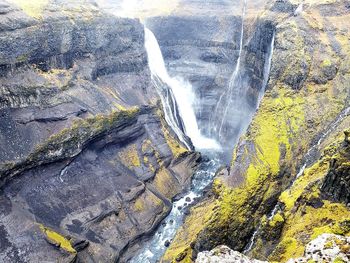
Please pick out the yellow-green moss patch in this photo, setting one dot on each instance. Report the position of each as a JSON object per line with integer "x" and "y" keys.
{"x": 33, "y": 8}
{"x": 58, "y": 239}
{"x": 130, "y": 157}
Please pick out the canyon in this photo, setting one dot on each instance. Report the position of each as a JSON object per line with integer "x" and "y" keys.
{"x": 190, "y": 131}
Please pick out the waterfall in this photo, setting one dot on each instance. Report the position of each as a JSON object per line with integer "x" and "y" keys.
{"x": 267, "y": 68}
{"x": 235, "y": 75}
{"x": 177, "y": 98}
{"x": 228, "y": 94}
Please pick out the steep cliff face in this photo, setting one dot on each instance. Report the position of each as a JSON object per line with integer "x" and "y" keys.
{"x": 206, "y": 51}
{"x": 337, "y": 182}
{"x": 87, "y": 162}
{"x": 303, "y": 108}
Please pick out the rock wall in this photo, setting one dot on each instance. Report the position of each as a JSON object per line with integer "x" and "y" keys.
{"x": 88, "y": 164}
{"x": 337, "y": 182}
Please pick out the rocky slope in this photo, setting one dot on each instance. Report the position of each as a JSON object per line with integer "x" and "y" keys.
{"x": 304, "y": 110}
{"x": 87, "y": 163}
{"x": 325, "y": 248}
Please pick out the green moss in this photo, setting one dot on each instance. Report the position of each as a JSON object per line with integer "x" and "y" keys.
{"x": 146, "y": 201}
{"x": 326, "y": 63}
{"x": 22, "y": 58}
{"x": 304, "y": 222}
{"x": 339, "y": 260}
{"x": 139, "y": 205}
{"x": 57, "y": 239}
{"x": 130, "y": 157}
{"x": 278, "y": 218}
{"x": 72, "y": 139}
{"x": 166, "y": 183}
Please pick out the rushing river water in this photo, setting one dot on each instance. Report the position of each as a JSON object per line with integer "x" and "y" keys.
{"x": 154, "y": 248}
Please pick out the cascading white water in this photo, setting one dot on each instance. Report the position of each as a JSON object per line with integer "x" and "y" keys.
{"x": 183, "y": 97}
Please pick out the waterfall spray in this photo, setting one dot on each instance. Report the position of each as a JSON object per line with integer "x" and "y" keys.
{"x": 177, "y": 98}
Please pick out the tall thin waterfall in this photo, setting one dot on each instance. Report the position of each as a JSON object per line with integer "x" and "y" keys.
{"x": 267, "y": 68}
{"x": 177, "y": 98}
{"x": 235, "y": 74}
{"x": 227, "y": 95}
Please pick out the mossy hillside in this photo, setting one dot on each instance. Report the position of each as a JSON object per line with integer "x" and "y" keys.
{"x": 306, "y": 190}
{"x": 290, "y": 116}
{"x": 307, "y": 214}
{"x": 274, "y": 133}
{"x": 71, "y": 140}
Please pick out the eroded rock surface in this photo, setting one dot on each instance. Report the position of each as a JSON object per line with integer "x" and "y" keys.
{"x": 87, "y": 162}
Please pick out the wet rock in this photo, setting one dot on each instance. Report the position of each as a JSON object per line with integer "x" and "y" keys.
{"x": 167, "y": 243}
{"x": 188, "y": 199}
{"x": 79, "y": 245}
{"x": 187, "y": 212}
{"x": 74, "y": 149}
{"x": 347, "y": 135}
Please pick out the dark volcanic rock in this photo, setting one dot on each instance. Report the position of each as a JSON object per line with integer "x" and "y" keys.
{"x": 76, "y": 156}
{"x": 337, "y": 182}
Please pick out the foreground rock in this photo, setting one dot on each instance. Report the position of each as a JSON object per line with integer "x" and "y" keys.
{"x": 223, "y": 254}
{"x": 326, "y": 248}
{"x": 87, "y": 163}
